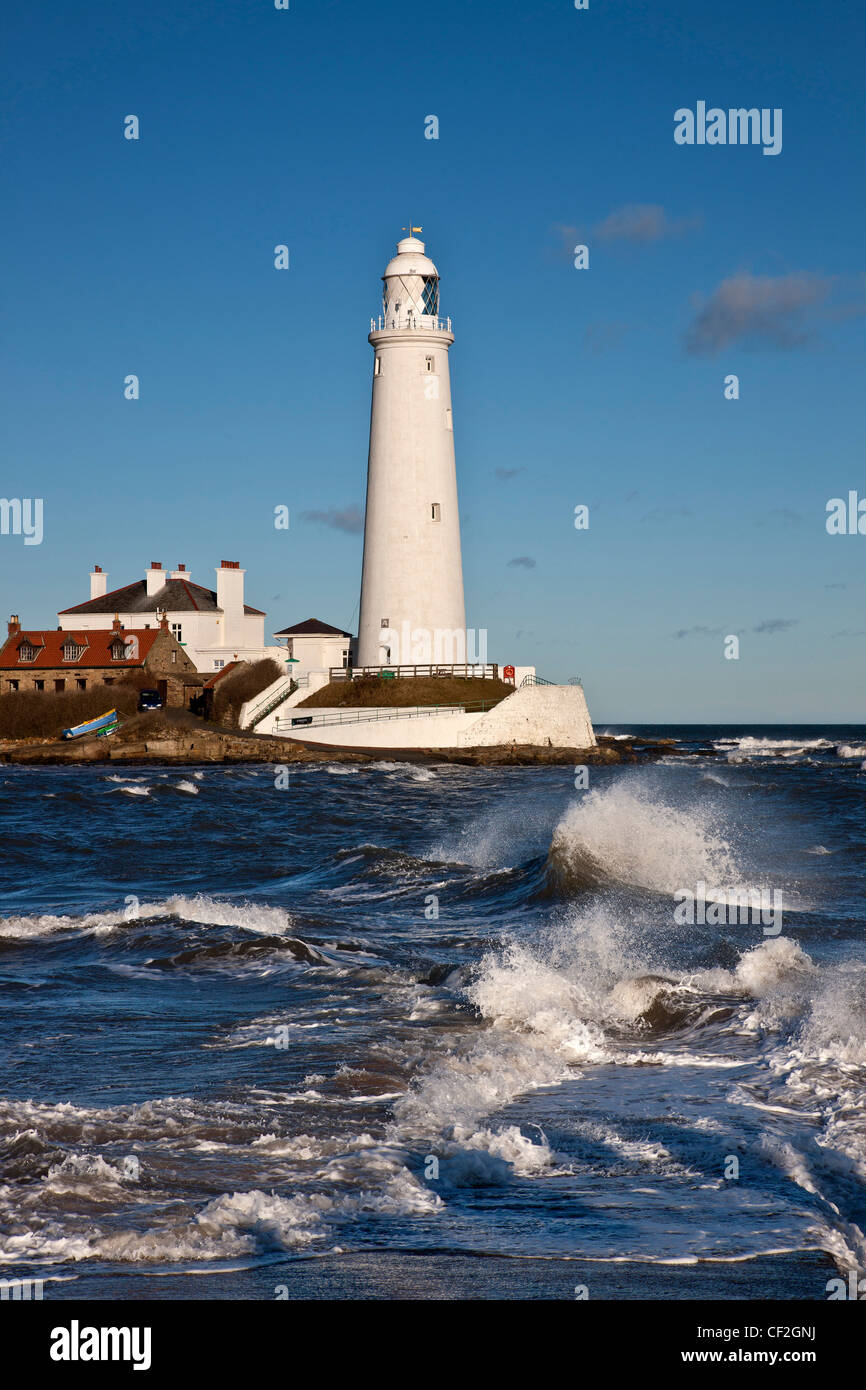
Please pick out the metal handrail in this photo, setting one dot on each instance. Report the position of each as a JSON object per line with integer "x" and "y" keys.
{"x": 534, "y": 680}
{"x": 477, "y": 670}
{"x": 260, "y": 712}
{"x": 373, "y": 716}
{"x": 425, "y": 322}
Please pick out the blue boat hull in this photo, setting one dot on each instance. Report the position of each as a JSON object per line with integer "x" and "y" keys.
{"x": 92, "y": 726}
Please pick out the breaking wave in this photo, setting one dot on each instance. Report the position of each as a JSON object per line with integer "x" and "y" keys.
{"x": 623, "y": 834}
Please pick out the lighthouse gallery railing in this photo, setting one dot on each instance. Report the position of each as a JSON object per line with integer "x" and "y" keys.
{"x": 424, "y": 323}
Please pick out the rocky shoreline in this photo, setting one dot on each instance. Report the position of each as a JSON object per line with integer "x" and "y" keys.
{"x": 201, "y": 743}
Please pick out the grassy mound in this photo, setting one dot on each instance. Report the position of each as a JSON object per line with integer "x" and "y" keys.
{"x": 423, "y": 690}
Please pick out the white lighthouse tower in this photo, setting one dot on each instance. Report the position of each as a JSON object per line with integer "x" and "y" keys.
{"x": 412, "y": 580}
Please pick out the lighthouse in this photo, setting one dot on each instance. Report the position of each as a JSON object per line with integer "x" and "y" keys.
{"x": 412, "y": 578}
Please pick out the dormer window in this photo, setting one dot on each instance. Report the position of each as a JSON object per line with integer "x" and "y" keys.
{"x": 26, "y": 652}
{"x": 72, "y": 651}
{"x": 118, "y": 649}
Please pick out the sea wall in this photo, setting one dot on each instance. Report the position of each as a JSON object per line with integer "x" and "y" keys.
{"x": 409, "y": 731}
{"x": 538, "y": 716}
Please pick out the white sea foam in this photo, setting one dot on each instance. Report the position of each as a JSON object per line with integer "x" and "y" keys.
{"x": 747, "y": 748}
{"x": 237, "y": 1224}
{"x": 758, "y": 971}
{"x": 622, "y": 832}
{"x": 45, "y": 924}
{"x": 255, "y": 917}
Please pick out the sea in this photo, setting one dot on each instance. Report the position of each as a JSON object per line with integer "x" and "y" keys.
{"x": 398, "y": 1030}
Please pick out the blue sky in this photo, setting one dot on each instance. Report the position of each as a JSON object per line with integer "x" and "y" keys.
{"x": 602, "y": 386}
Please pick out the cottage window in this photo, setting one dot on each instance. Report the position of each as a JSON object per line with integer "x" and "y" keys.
{"x": 118, "y": 651}
{"x": 38, "y": 685}
{"x": 72, "y": 651}
{"x": 13, "y": 685}
{"x": 81, "y": 683}
{"x": 26, "y": 652}
{"x": 177, "y": 631}
{"x": 174, "y": 658}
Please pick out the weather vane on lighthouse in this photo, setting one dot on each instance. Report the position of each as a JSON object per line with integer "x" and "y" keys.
{"x": 412, "y": 230}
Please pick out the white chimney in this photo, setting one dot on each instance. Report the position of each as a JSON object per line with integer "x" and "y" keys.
{"x": 155, "y": 578}
{"x": 230, "y": 598}
{"x": 180, "y": 573}
{"x": 98, "y": 582}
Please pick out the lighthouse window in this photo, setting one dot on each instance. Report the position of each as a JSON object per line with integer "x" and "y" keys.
{"x": 430, "y": 295}
{"x": 386, "y": 622}
{"x": 436, "y": 511}
{"x": 378, "y": 371}
{"x": 431, "y": 363}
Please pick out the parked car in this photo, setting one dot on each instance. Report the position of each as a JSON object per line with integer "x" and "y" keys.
{"x": 149, "y": 699}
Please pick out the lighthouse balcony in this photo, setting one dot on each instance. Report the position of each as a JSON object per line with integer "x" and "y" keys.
{"x": 422, "y": 323}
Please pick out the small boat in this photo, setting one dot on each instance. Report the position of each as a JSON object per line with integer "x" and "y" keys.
{"x": 93, "y": 726}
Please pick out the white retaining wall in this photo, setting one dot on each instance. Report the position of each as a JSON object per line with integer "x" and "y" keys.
{"x": 538, "y": 716}
{"x": 407, "y": 731}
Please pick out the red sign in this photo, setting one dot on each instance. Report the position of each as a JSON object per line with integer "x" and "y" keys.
{"x": 508, "y": 673}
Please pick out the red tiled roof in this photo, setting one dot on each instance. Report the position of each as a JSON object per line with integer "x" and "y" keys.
{"x": 97, "y": 648}
{"x": 218, "y": 675}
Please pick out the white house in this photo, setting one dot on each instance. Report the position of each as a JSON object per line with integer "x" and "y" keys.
{"x": 214, "y": 626}
{"x": 316, "y": 646}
